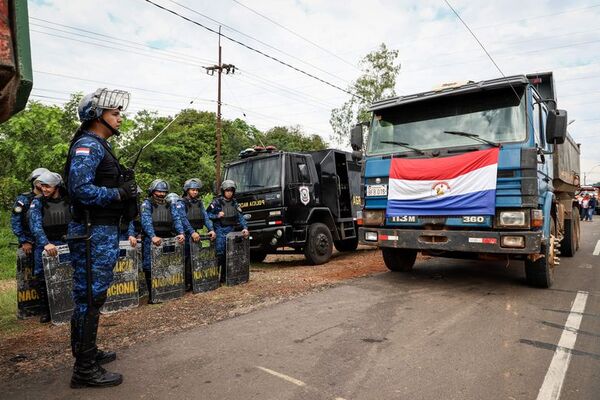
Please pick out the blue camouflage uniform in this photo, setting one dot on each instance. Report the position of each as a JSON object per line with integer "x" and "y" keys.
{"x": 220, "y": 229}
{"x": 187, "y": 226}
{"x": 149, "y": 232}
{"x": 124, "y": 234}
{"x": 86, "y": 155}
{"x": 18, "y": 218}
{"x": 36, "y": 224}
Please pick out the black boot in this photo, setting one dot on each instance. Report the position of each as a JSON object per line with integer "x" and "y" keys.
{"x": 40, "y": 286}
{"x": 148, "y": 277}
{"x": 104, "y": 357}
{"x": 87, "y": 370}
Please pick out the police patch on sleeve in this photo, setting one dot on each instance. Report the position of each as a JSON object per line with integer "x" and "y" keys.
{"x": 82, "y": 151}
{"x": 18, "y": 209}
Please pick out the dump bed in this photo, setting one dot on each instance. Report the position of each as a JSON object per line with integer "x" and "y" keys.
{"x": 566, "y": 166}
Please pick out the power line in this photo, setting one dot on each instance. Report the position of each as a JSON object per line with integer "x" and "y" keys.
{"x": 297, "y": 34}
{"x": 255, "y": 50}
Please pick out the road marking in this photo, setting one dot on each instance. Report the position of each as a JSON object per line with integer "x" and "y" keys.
{"x": 282, "y": 376}
{"x": 555, "y": 376}
{"x": 597, "y": 248}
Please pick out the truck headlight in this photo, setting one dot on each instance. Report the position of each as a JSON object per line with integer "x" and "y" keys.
{"x": 371, "y": 236}
{"x": 512, "y": 219}
{"x": 373, "y": 217}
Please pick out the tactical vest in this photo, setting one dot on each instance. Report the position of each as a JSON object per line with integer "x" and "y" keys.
{"x": 230, "y": 217}
{"x": 162, "y": 220}
{"x": 56, "y": 216}
{"x": 194, "y": 213}
{"x": 108, "y": 174}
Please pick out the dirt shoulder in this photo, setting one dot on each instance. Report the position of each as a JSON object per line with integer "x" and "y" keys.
{"x": 280, "y": 278}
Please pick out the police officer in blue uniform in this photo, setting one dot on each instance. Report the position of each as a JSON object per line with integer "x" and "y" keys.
{"x": 159, "y": 220}
{"x": 18, "y": 218}
{"x": 194, "y": 218}
{"x": 227, "y": 216}
{"x": 100, "y": 190}
{"x": 49, "y": 217}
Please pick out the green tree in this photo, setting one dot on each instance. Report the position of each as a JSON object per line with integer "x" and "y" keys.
{"x": 377, "y": 82}
{"x": 292, "y": 139}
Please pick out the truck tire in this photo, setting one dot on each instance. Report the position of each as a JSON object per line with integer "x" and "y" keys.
{"x": 258, "y": 256}
{"x": 319, "y": 244}
{"x": 570, "y": 242}
{"x": 346, "y": 245}
{"x": 399, "y": 260}
{"x": 540, "y": 273}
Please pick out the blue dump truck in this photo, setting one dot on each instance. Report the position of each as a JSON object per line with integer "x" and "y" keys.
{"x": 482, "y": 170}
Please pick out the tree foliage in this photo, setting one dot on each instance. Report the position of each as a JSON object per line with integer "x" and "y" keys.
{"x": 39, "y": 137}
{"x": 377, "y": 82}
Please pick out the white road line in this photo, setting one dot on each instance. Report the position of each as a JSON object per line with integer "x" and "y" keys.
{"x": 282, "y": 376}
{"x": 597, "y": 248}
{"x": 555, "y": 376}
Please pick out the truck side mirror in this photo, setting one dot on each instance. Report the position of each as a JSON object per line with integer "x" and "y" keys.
{"x": 556, "y": 126}
{"x": 356, "y": 137}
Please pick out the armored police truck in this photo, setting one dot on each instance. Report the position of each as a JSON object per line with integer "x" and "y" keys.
{"x": 298, "y": 202}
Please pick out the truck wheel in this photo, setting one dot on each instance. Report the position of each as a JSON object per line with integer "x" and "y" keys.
{"x": 258, "y": 256}
{"x": 319, "y": 244}
{"x": 570, "y": 242}
{"x": 346, "y": 245}
{"x": 540, "y": 273}
{"x": 399, "y": 260}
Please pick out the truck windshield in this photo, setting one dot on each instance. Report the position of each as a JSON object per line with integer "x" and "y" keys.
{"x": 255, "y": 173}
{"x": 494, "y": 115}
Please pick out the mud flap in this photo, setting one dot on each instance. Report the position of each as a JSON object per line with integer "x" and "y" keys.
{"x": 204, "y": 264}
{"x": 123, "y": 292}
{"x": 237, "y": 265}
{"x": 59, "y": 281}
{"x": 167, "y": 269}
{"x": 28, "y": 298}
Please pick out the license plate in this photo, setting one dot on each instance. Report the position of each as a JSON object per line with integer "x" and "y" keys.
{"x": 377, "y": 190}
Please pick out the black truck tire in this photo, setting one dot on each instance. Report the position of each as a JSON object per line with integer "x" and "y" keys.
{"x": 540, "y": 273}
{"x": 399, "y": 260}
{"x": 570, "y": 242}
{"x": 319, "y": 244}
{"x": 346, "y": 245}
{"x": 258, "y": 255}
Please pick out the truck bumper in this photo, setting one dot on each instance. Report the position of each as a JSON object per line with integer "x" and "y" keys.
{"x": 447, "y": 240}
{"x": 263, "y": 238}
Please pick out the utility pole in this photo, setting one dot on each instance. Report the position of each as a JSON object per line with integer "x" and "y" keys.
{"x": 229, "y": 68}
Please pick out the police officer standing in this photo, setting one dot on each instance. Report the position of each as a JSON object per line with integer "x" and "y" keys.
{"x": 226, "y": 215}
{"x": 18, "y": 218}
{"x": 159, "y": 220}
{"x": 100, "y": 192}
{"x": 49, "y": 217}
{"x": 194, "y": 218}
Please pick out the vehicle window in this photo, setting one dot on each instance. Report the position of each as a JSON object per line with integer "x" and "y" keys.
{"x": 255, "y": 173}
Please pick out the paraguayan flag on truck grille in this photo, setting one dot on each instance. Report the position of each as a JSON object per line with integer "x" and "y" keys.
{"x": 457, "y": 185}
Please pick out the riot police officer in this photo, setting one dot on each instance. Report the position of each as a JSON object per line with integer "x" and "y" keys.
{"x": 226, "y": 215}
{"x": 18, "y": 218}
{"x": 100, "y": 191}
{"x": 194, "y": 218}
{"x": 49, "y": 217}
{"x": 159, "y": 220}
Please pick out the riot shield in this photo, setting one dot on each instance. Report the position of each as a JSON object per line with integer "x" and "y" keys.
{"x": 59, "y": 281}
{"x": 237, "y": 262}
{"x": 123, "y": 292}
{"x": 205, "y": 268}
{"x": 28, "y": 298}
{"x": 143, "y": 288}
{"x": 167, "y": 270}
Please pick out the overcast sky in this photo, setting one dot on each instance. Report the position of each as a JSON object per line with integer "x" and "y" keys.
{"x": 158, "y": 57}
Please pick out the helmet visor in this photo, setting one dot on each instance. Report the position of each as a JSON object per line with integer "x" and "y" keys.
{"x": 111, "y": 99}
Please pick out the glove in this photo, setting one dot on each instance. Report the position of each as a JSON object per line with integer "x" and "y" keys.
{"x": 128, "y": 190}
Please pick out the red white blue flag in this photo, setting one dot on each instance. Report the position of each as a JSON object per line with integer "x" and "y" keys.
{"x": 458, "y": 185}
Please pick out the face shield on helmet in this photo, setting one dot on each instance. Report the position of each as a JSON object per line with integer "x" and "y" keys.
{"x": 36, "y": 173}
{"x": 158, "y": 185}
{"x": 92, "y": 105}
{"x": 50, "y": 178}
{"x": 227, "y": 184}
{"x": 193, "y": 183}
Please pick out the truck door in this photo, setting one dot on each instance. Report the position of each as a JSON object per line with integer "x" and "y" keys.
{"x": 300, "y": 188}
{"x": 539, "y": 124}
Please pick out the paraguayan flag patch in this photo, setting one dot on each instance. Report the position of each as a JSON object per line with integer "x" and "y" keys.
{"x": 82, "y": 151}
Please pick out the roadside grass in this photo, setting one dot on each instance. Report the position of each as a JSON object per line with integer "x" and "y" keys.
{"x": 8, "y": 258}
{"x": 8, "y": 308}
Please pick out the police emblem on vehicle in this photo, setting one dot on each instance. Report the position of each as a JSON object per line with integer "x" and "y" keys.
{"x": 304, "y": 195}
{"x": 440, "y": 188}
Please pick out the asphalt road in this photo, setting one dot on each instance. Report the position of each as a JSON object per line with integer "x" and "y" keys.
{"x": 452, "y": 329}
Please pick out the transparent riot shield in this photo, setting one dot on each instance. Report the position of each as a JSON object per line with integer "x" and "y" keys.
{"x": 167, "y": 270}
{"x": 205, "y": 268}
{"x": 123, "y": 292}
{"x": 59, "y": 281}
{"x": 28, "y": 298}
{"x": 237, "y": 264}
